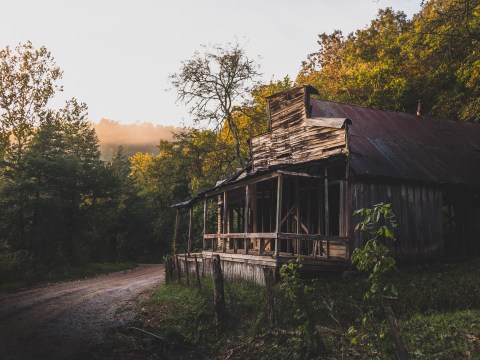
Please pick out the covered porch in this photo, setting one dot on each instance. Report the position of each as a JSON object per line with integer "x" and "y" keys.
{"x": 281, "y": 215}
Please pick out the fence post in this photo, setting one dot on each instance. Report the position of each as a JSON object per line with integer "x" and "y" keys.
{"x": 269, "y": 296}
{"x": 218, "y": 292}
{"x": 197, "y": 271}
{"x": 186, "y": 270}
{"x": 179, "y": 271}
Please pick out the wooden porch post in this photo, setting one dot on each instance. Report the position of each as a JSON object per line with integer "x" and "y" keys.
{"x": 225, "y": 221}
{"x": 253, "y": 205}
{"x": 297, "y": 211}
{"x": 204, "y": 244}
{"x": 279, "y": 213}
{"x": 175, "y": 234}
{"x": 318, "y": 248}
{"x": 189, "y": 243}
{"x": 327, "y": 217}
{"x": 246, "y": 240}
{"x": 219, "y": 223}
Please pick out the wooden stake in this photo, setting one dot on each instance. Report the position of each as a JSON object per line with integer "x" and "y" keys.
{"x": 179, "y": 272}
{"x": 186, "y": 270}
{"x": 269, "y": 296}
{"x": 218, "y": 293}
{"x": 197, "y": 271}
{"x": 402, "y": 350}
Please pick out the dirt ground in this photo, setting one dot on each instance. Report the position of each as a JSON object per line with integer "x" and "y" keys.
{"x": 70, "y": 320}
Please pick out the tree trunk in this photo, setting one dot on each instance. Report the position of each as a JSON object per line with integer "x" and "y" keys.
{"x": 402, "y": 350}
{"x": 233, "y": 129}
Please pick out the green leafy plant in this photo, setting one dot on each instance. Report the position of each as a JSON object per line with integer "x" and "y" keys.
{"x": 298, "y": 295}
{"x": 374, "y": 258}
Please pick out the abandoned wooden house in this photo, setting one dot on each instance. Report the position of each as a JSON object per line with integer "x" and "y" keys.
{"x": 319, "y": 162}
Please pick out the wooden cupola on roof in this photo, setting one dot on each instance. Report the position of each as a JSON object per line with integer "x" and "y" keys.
{"x": 294, "y": 135}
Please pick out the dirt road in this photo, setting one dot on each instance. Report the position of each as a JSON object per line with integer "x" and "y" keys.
{"x": 67, "y": 320}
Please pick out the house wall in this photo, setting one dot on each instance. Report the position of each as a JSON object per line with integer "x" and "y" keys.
{"x": 462, "y": 221}
{"x": 419, "y": 214}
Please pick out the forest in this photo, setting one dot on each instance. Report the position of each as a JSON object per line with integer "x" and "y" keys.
{"x": 62, "y": 204}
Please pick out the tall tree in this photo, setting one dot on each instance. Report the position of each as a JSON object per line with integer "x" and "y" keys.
{"x": 61, "y": 182}
{"x": 212, "y": 83}
{"x": 28, "y": 80}
{"x": 395, "y": 61}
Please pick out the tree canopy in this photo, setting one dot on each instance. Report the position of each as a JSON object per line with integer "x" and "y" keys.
{"x": 212, "y": 83}
{"x": 394, "y": 62}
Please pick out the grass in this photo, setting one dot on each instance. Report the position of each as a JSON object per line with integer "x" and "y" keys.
{"x": 438, "y": 312}
{"x": 39, "y": 276}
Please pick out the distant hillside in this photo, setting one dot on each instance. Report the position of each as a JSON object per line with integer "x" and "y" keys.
{"x": 138, "y": 137}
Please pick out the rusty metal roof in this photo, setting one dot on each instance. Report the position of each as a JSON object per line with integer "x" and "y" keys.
{"x": 406, "y": 146}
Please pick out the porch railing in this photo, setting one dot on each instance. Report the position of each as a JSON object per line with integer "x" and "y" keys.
{"x": 281, "y": 244}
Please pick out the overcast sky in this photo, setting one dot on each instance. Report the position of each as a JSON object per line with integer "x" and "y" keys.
{"x": 117, "y": 54}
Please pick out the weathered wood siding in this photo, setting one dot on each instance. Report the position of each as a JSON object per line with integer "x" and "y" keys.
{"x": 419, "y": 214}
{"x": 290, "y": 139}
{"x": 234, "y": 266}
{"x": 250, "y": 267}
{"x": 462, "y": 221}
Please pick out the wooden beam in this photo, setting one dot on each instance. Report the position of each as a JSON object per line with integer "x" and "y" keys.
{"x": 333, "y": 239}
{"x": 242, "y": 183}
{"x": 298, "y": 174}
{"x": 327, "y": 215}
{"x": 246, "y": 241}
{"x": 225, "y": 221}
{"x": 281, "y": 236}
{"x": 297, "y": 210}
{"x": 205, "y": 208}
{"x": 278, "y": 213}
{"x": 219, "y": 223}
{"x": 309, "y": 215}
{"x": 341, "y": 212}
{"x": 175, "y": 234}
{"x": 189, "y": 243}
{"x": 243, "y": 235}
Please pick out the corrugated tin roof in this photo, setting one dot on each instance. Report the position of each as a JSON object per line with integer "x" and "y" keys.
{"x": 406, "y": 146}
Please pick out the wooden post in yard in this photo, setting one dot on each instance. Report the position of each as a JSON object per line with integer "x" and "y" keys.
{"x": 402, "y": 350}
{"x": 179, "y": 272}
{"x": 218, "y": 293}
{"x": 186, "y": 270}
{"x": 269, "y": 296}
{"x": 168, "y": 274}
{"x": 197, "y": 271}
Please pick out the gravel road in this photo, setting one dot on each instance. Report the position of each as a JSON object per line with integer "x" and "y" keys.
{"x": 67, "y": 320}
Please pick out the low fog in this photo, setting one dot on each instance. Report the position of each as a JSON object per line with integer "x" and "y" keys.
{"x": 137, "y": 137}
